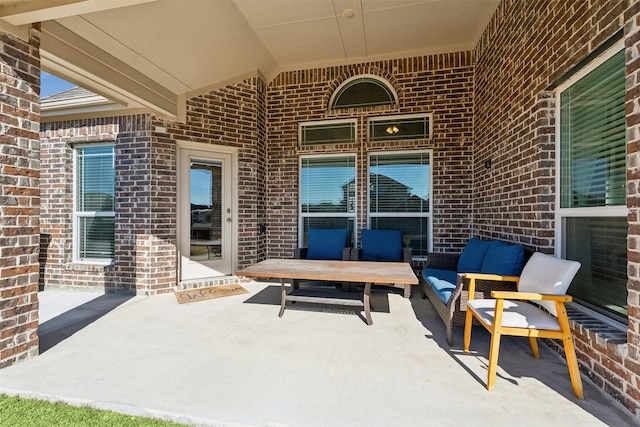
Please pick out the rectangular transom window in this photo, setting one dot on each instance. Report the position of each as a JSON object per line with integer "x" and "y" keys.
{"x": 94, "y": 212}
{"x": 327, "y": 132}
{"x": 400, "y": 196}
{"x": 592, "y": 213}
{"x": 327, "y": 193}
{"x": 415, "y": 126}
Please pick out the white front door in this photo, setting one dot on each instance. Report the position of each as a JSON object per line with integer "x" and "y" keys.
{"x": 205, "y": 214}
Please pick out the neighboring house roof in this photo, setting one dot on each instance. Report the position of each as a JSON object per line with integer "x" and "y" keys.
{"x": 76, "y": 100}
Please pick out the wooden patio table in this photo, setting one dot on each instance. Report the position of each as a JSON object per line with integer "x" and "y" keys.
{"x": 369, "y": 273}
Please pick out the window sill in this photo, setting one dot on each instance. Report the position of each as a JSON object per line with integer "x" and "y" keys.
{"x": 86, "y": 267}
{"x": 605, "y": 333}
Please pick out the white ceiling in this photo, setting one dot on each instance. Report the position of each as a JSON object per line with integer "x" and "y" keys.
{"x": 154, "y": 53}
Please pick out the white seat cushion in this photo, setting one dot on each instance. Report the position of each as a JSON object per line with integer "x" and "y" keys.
{"x": 516, "y": 314}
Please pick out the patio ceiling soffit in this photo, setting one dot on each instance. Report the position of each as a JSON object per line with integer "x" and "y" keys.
{"x": 156, "y": 54}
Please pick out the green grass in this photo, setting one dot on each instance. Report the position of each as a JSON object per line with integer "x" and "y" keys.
{"x": 18, "y": 412}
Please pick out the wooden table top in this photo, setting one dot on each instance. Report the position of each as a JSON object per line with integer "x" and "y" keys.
{"x": 340, "y": 271}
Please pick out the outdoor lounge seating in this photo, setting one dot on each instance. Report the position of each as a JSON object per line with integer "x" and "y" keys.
{"x": 383, "y": 246}
{"x": 444, "y": 283}
{"x": 536, "y": 310}
{"x": 325, "y": 244}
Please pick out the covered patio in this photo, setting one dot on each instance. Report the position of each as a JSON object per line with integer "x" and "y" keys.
{"x": 249, "y": 94}
{"x": 233, "y": 362}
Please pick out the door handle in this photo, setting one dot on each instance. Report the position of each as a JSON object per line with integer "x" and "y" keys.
{"x": 228, "y": 219}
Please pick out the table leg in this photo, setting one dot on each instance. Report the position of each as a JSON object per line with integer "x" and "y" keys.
{"x": 284, "y": 295}
{"x": 367, "y": 303}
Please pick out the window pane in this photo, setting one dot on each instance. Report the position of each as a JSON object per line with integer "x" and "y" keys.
{"x": 414, "y": 231}
{"x": 401, "y": 128}
{"x": 327, "y": 222}
{"x": 328, "y": 184}
{"x": 95, "y": 178}
{"x": 363, "y": 92}
{"x": 399, "y": 183}
{"x": 96, "y": 240}
{"x": 600, "y": 244}
{"x": 593, "y": 138}
{"x": 327, "y": 133}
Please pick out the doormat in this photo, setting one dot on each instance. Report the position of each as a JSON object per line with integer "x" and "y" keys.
{"x": 193, "y": 295}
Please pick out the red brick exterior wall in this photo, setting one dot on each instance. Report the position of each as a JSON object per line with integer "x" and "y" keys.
{"x": 144, "y": 259}
{"x": 437, "y": 84}
{"x": 526, "y": 49}
{"x": 19, "y": 196}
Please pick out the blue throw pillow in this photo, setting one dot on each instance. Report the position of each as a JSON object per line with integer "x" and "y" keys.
{"x": 473, "y": 255}
{"x": 381, "y": 245}
{"x": 503, "y": 259}
{"x": 326, "y": 243}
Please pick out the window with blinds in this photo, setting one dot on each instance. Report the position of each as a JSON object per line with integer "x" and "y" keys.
{"x": 592, "y": 135}
{"x": 94, "y": 214}
{"x": 592, "y": 214}
{"x": 327, "y": 193}
{"x": 400, "y": 196}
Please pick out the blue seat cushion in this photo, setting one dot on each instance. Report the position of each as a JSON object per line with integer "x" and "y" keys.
{"x": 443, "y": 282}
{"x": 473, "y": 255}
{"x": 503, "y": 259}
{"x": 326, "y": 243}
{"x": 381, "y": 245}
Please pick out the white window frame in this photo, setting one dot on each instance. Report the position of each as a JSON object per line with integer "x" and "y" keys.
{"x": 302, "y": 215}
{"x": 77, "y": 215}
{"x": 301, "y": 125}
{"x": 363, "y": 76}
{"x": 428, "y": 215}
{"x": 599, "y": 211}
{"x": 585, "y": 212}
{"x": 400, "y": 117}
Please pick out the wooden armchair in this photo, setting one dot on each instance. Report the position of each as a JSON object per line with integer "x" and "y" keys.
{"x": 536, "y": 310}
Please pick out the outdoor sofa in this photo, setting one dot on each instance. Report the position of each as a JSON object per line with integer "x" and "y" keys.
{"x": 444, "y": 283}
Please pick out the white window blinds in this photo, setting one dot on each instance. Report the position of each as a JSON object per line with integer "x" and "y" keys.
{"x": 593, "y": 138}
{"x": 328, "y": 184}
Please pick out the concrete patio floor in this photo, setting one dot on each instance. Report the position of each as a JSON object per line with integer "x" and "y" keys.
{"x": 232, "y": 362}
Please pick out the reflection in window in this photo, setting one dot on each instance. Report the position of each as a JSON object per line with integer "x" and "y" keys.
{"x": 327, "y": 193}
{"x": 400, "y": 127}
{"x": 206, "y": 210}
{"x": 399, "y": 196}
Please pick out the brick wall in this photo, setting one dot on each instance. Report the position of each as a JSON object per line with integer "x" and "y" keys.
{"x": 631, "y": 366}
{"x": 19, "y": 196}
{"x": 528, "y": 48}
{"x": 144, "y": 259}
{"x": 437, "y": 84}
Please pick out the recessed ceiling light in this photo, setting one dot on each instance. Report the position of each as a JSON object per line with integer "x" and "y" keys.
{"x": 349, "y": 13}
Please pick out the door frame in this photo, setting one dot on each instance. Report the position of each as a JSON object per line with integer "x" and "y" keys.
{"x": 207, "y": 150}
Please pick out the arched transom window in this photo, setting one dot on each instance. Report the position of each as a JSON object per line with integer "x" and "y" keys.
{"x": 363, "y": 91}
